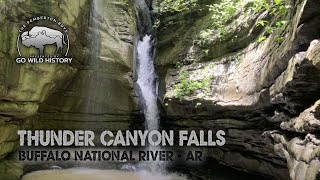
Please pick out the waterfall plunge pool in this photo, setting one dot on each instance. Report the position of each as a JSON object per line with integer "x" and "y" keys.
{"x": 95, "y": 174}
{"x": 210, "y": 170}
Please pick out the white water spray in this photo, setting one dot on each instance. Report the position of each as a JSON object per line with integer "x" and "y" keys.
{"x": 147, "y": 83}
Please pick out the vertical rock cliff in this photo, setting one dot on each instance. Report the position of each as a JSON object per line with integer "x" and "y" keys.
{"x": 94, "y": 92}
{"x": 262, "y": 90}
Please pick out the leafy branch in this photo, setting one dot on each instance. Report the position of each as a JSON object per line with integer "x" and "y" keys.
{"x": 277, "y": 7}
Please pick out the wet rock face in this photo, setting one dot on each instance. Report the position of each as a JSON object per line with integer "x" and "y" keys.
{"x": 254, "y": 88}
{"x": 102, "y": 87}
{"x": 97, "y": 88}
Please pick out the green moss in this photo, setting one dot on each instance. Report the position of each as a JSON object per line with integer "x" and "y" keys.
{"x": 7, "y": 147}
{"x": 10, "y": 170}
{"x": 188, "y": 87}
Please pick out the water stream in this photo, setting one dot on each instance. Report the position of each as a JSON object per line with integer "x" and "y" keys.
{"x": 147, "y": 83}
{"x": 148, "y": 86}
{"x": 146, "y": 80}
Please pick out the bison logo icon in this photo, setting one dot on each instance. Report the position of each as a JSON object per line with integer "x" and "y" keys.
{"x": 43, "y": 36}
{"x": 43, "y": 39}
{"x": 39, "y": 36}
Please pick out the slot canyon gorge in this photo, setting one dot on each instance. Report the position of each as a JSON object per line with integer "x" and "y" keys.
{"x": 249, "y": 67}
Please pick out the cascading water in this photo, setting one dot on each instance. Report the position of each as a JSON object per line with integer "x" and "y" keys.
{"x": 147, "y": 83}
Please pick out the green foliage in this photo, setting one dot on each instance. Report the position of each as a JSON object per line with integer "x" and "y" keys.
{"x": 262, "y": 23}
{"x": 177, "y": 5}
{"x": 223, "y": 12}
{"x": 278, "y": 2}
{"x": 156, "y": 23}
{"x": 276, "y": 8}
{"x": 187, "y": 87}
{"x": 280, "y": 40}
{"x": 229, "y": 15}
{"x": 281, "y": 24}
{"x": 262, "y": 38}
{"x": 269, "y": 30}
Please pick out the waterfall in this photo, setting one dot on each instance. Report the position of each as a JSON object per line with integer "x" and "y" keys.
{"x": 147, "y": 83}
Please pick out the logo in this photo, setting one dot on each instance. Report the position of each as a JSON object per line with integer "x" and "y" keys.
{"x": 43, "y": 39}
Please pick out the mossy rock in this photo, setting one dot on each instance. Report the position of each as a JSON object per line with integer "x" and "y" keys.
{"x": 10, "y": 170}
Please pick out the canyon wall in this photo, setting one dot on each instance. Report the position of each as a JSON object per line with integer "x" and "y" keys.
{"x": 263, "y": 94}
{"x": 94, "y": 92}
